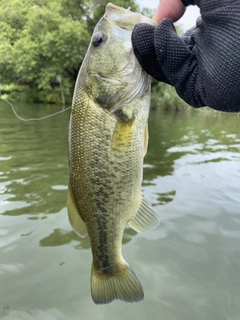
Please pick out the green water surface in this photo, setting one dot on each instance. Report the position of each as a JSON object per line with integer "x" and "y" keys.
{"x": 189, "y": 266}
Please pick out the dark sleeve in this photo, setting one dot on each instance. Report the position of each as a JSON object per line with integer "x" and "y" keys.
{"x": 204, "y": 64}
{"x": 188, "y": 2}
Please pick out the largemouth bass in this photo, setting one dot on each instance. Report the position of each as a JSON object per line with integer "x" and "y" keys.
{"x": 108, "y": 139}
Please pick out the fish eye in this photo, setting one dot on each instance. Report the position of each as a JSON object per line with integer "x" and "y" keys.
{"x": 98, "y": 39}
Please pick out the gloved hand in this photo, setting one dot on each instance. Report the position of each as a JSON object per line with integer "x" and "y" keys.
{"x": 204, "y": 64}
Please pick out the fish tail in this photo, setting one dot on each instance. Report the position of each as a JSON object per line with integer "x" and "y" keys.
{"x": 121, "y": 284}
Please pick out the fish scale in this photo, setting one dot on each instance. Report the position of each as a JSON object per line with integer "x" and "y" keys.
{"x": 107, "y": 144}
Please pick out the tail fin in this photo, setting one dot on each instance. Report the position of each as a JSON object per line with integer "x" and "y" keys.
{"x": 122, "y": 285}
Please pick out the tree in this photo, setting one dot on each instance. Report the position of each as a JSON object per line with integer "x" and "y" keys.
{"x": 43, "y": 43}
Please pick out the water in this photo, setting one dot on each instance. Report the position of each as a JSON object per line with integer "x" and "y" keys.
{"x": 189, "y": 266}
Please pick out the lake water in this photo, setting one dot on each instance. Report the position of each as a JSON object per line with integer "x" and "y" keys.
{"x": 189, "y": 266}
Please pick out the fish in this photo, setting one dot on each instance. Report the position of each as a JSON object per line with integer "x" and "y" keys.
{"x": 108, "y": 138}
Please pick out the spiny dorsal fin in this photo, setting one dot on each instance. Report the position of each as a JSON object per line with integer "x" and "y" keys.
{"x": 75, "y": 219}
{"x": 145, "y": 218}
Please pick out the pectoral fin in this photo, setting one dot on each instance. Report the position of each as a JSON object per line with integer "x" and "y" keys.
{"x": 75, "y": 219}
{"x": 145, "y": 218}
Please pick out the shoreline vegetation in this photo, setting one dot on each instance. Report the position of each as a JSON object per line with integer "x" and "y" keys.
{"x": 162, "y": 95}
{"x": 42, "y": 46}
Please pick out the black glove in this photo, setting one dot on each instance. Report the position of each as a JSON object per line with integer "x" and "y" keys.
{"x": 204, "y": 64}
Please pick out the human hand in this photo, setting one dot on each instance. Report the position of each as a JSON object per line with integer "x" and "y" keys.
{"x": 203, "y": 64}
{"x": 171, "y": 9}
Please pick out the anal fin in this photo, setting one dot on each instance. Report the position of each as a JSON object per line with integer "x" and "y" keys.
{"x": 145, "y": 218}
{"x": 75, "y": 219}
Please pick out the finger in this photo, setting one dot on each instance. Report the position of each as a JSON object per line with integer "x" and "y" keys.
{"x": 171, "y": 9}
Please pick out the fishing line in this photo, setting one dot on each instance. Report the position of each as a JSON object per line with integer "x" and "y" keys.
{"x": 32, "y": 119}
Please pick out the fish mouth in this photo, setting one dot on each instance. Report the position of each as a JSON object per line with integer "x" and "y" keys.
{"x": 126, "y": 18}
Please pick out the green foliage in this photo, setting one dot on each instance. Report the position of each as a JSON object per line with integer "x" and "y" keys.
{"x": 40, "y": 44}
{"x": 165, "y": 97}
{"x": 43, "y": 43}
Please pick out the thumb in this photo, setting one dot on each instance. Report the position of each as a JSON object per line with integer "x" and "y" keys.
{"x": 178, "y": 63}
{"x": 171, "y": 9}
